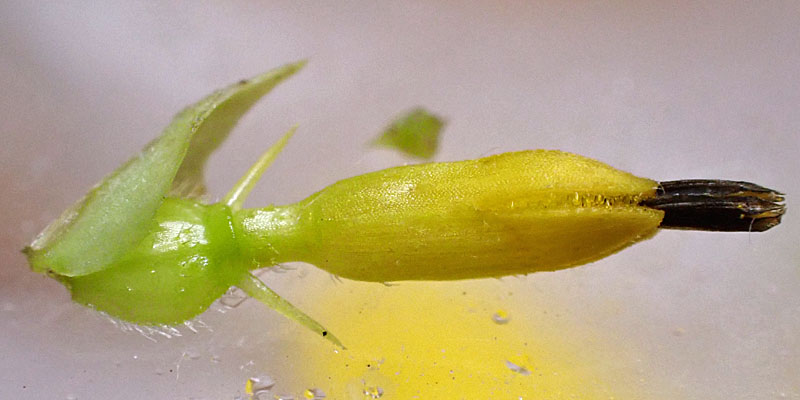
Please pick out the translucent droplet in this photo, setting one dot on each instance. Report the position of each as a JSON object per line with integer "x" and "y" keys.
{"x": 72, "y": 397}
{"x": 314, "y": 394}
{"x": 373, "y": 392}
{"x": 232, "y": 298}
{"x": 500, "y": 317}
{"x": 517, "y": 368}
{"x": 235, "y": 296}
{"x": 260, "y": 384}
{"x": 247, "y": 366}
{"x": 191, "y": 354}
{"x": 215, "y": 359}
{"x": 281, "y": 268}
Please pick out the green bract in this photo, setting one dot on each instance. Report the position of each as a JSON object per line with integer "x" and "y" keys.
{"x": 415, "y": 133}
{"x": 130, "y": 250}
{"x": 116, "y": 214}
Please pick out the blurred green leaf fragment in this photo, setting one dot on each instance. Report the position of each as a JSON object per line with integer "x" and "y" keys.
{"x": 116, "y": 214}
{"x": 415, "y": 133}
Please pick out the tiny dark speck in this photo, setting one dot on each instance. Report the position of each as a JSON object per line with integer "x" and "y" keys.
{"x": 324, "y": 333}
{"x": 244, "y": 82}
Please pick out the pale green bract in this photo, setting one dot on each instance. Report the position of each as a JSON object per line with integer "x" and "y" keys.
{"x": 115, "y": 215}
{"x": 414, "y": 133}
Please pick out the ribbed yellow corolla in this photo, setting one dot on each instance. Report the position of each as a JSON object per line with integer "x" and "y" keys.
{"x": 513, "y": 213}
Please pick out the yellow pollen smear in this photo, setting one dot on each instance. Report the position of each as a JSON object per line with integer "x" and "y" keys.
{"x": 440, "y": 341}
{"x": 248, "y": 387}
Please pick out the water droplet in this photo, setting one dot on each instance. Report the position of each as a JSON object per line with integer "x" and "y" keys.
{"x": 278, "y": 397}
{"x": 215, "y": 359}
{"x": 232, "y": 298}
{"x": 72, "y": 397}
{"x": 191, "y": 354}
{"x": 314, "y": 394}
{"x": 517, "y": 368}
{"x": 500, "y": 317}
{"x": 260, "y": 384}
{"x": 247, "y": 365}
{"x": 373, "y": 392}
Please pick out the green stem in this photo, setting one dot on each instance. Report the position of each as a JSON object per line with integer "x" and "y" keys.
{"x": 269, "y": 235}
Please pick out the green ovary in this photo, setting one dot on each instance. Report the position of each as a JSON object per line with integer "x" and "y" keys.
{"x": 187, "y": 261}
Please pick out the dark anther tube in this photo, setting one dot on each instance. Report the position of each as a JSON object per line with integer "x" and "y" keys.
{"x": 716, "y": 205}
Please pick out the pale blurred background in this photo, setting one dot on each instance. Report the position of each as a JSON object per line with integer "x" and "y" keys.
{"x": 665, "y": 91}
